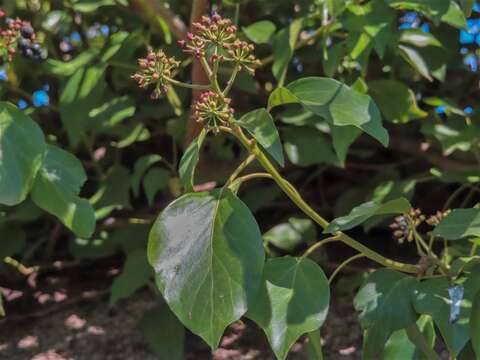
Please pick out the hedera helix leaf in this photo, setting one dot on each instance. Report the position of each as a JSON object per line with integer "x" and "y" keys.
{"x": 207, "y": 252}
{"x": 386, "y": 306}
{"x": 56, "y": 191}
{"x": 431, "y": 297}
{"x": 259, "y": 123}
{"x": 260, "y": 32}
{"x": 336, "y": 102}
{"x": 22, "y": 148}
{"x": 189, "y": 161}
{"x": 293, "y": 300}
{"x": 459, "y": 224}
{"x": 365, "y": 211}
{"x": 283, "y": 44}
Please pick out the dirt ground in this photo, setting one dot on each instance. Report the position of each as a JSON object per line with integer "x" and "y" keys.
{"x": 71, "y": 319}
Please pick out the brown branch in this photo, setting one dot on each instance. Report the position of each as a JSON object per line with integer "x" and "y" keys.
{"x": 151, "y": 10}
{"x": 199, "y": 8}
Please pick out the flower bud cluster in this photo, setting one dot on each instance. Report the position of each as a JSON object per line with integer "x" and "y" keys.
{"x": 405, "y": 225}
{"x": 19, "y": 34}
{"x": 212, "y": 109}
{"x": 156, "y": 69}
{"x": 435, "y": 219}
{"x": 216, "y": 38}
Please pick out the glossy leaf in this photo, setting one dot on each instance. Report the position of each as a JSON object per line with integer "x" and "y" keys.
{"x": 385, "y": 307}
{"x": 56, "y": 190}
{"x": 189, "y": 162}
{"x": 136, "y": 273}
{"x": 413, "y": 57}
{"x": 260, "y": 32}
{"x": 164, "y": 333}
{"x": 459, "y": 224}
{"x": 293, "y": 300}
{"x": 259, "y": 123}
{"x": 365, "y": 211}
{"x": 207, "y": 252}
{"x": 22, "y": 148}
{"x": 337, "y": 103}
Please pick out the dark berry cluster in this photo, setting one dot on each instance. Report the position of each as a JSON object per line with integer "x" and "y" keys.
{"x": 212, "y": 109}
{"x": 156, "y": 69}
{"x": 405, "y": 225}
{"x": 16, "y": 35}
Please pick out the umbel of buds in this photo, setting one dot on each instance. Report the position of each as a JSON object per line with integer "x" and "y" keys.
{"x": 405, "y": 225}
{"x": 212, "y": 109}
{"x": 19, "y": 34}
{"x": 435, "y": 219}
{"x": 156, "y": 69}
{"x": 217, "y": 36}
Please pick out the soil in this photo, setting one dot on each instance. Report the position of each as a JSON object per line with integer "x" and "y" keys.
{"x": 70, "y": 318}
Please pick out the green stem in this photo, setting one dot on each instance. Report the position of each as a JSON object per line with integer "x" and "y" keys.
{"x": 343, "y": 264}
{"x": 417, "y": 337}
{"x": 231, "y": 80}
{"x": 318, "y": 245}
{"x": 290, "y": 191}
{"x": 240, "y": 168}
{"x": 188, "y": 86}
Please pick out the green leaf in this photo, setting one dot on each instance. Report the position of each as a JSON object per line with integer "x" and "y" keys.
{"x": 459, "y": 224}
{"x": 22, "y": 148}
{"x": 115, "y": 190}
{"x": 395, "y": 100}
{"x": 338, "y": 104}
{"x": 293, "y": 300}
{"x": 283, "y": 44}
{"x": 56, "y": 190}
{"x": 88, "y": 6}
{"x": 475, "y": 324}
{"x": 281, "y": 96}
{"x": 207, "y": 252}
{"x": 418, "y": 37}
{"x": 432, "y": 8}
{"x": 141, "y": 166}
{"x": 413, "y": 57}
{"x": 112, "y": 113}
{"x": 135, "y": 274}
{"x": 259, "y": 123}
{"x": 287, "y": 236}
{"x": 314, "y": 346}
{"x": 467, "y": 6}
{"x": 260, "y": 32}
{"x": 455, "y": 16}
{"x": 365, "y": 211}
{"x": 343, "y": 137}
{"x": 385, "y": 307}
{"x": 431, "y": 298}
{"x": 307, "y": 146}
{"x": 155, "y": 180}
{"x": 189, "y": 162}
{"x": 164, "y": 333}
{"x": 82, "y": 93}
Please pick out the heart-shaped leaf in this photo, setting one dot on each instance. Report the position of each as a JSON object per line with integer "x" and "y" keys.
{"x": 293, "y": 300}
{"x": 22, "y": 147}
{"x": 207, "y": 252}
